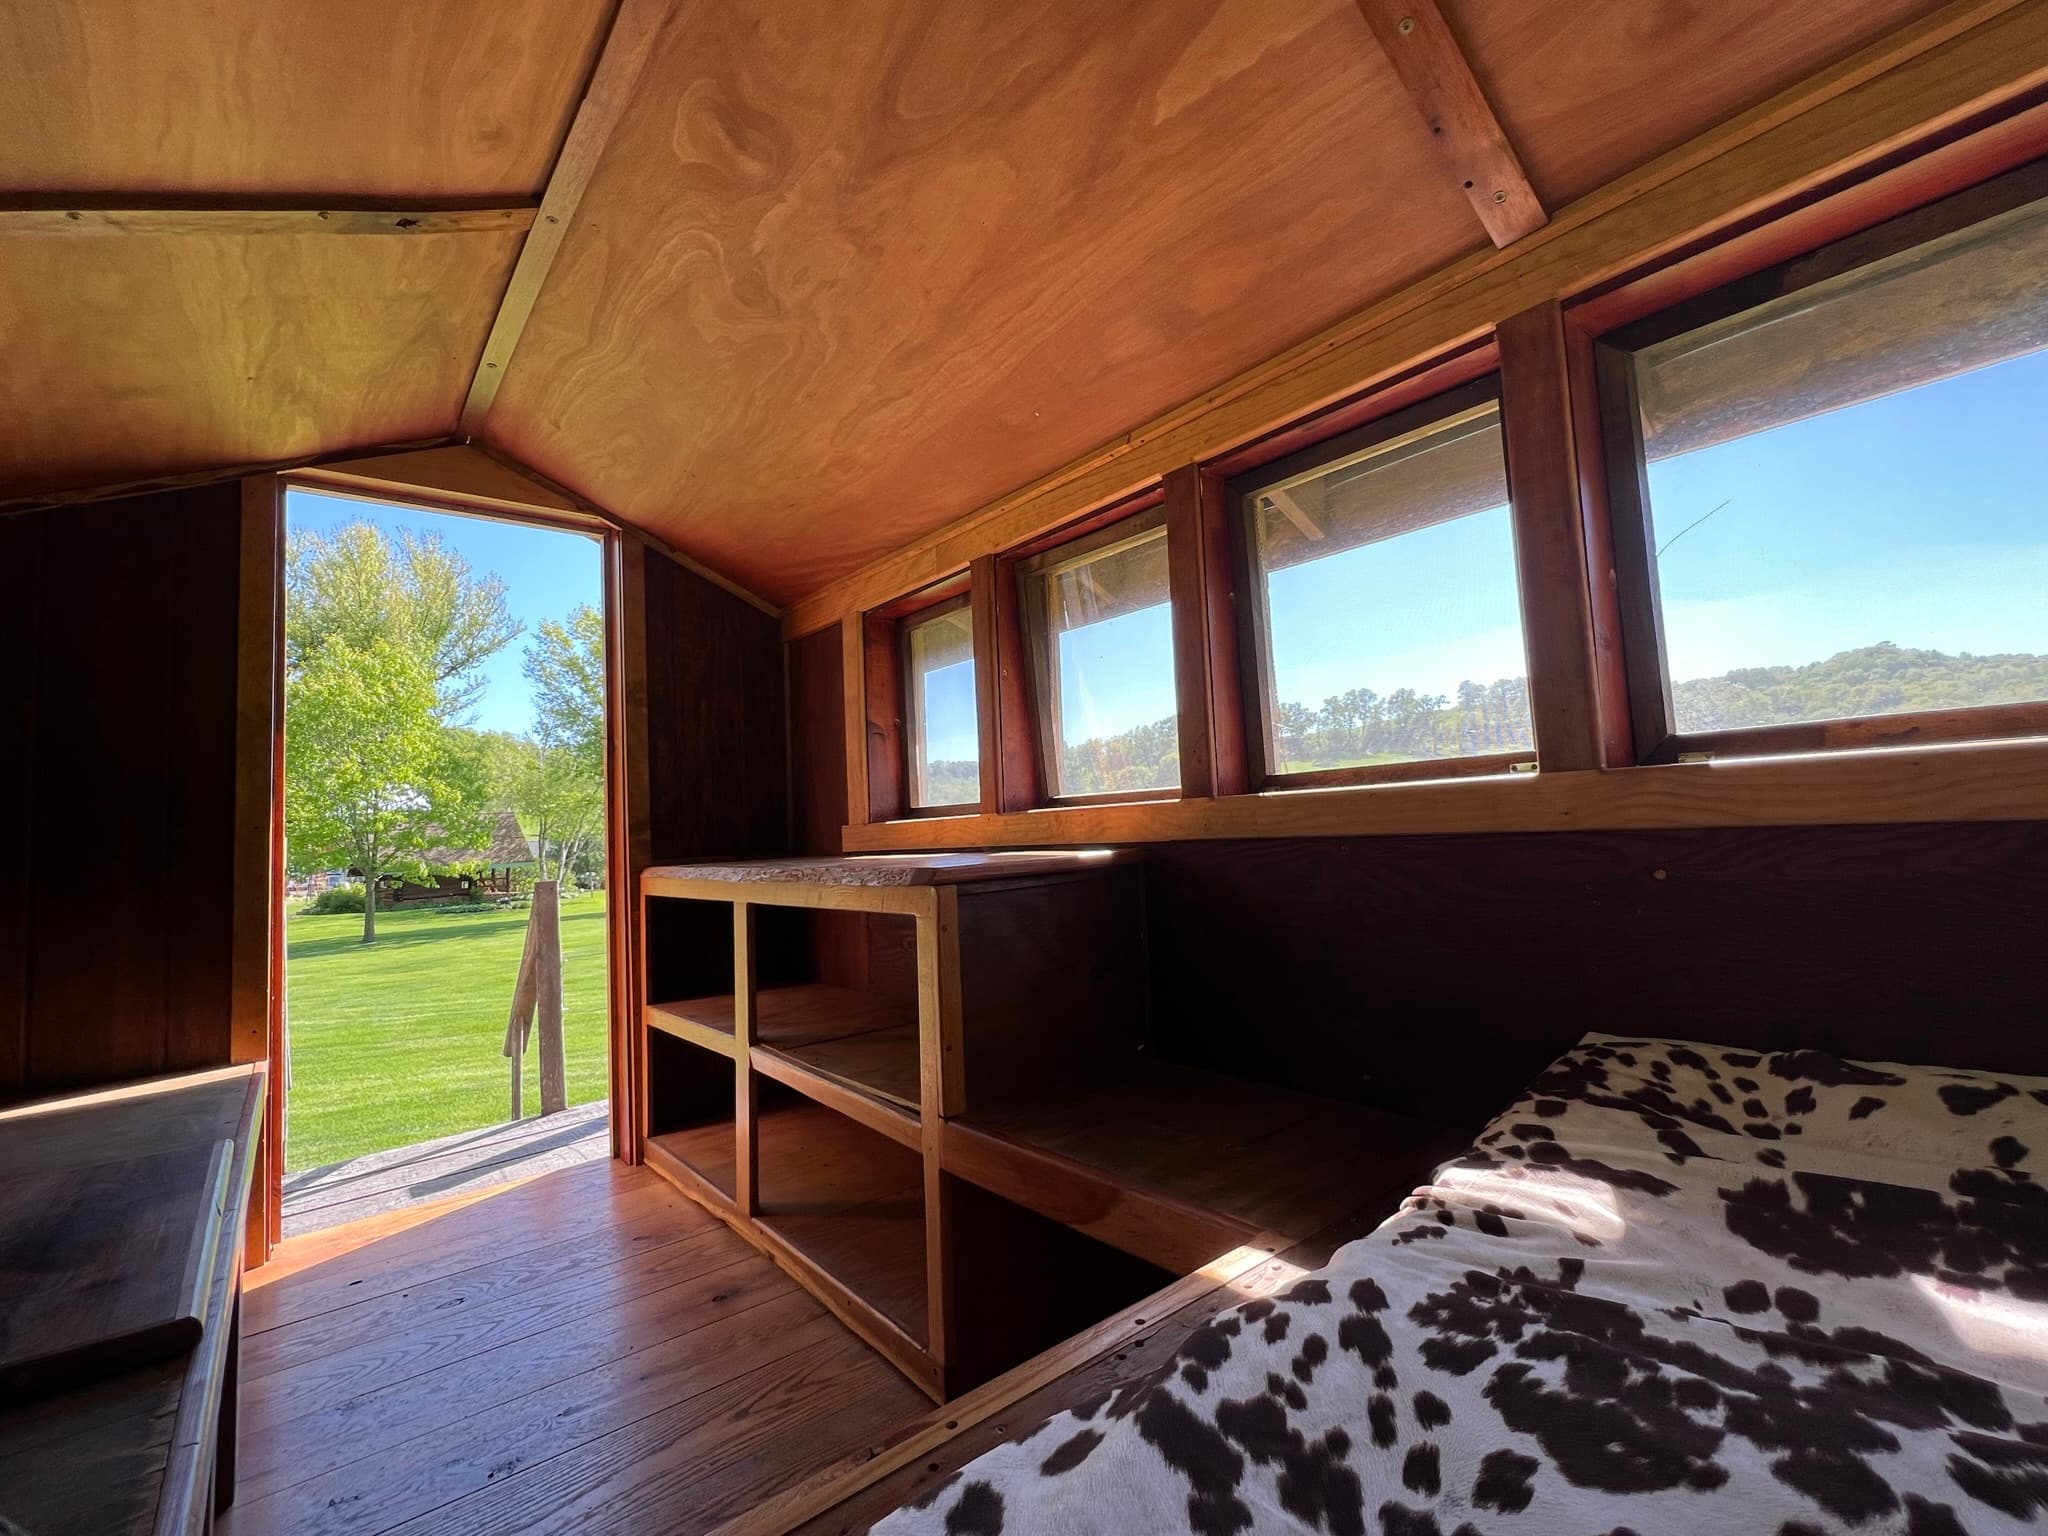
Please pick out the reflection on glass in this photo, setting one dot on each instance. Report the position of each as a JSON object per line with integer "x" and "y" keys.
{"x": 1102, "y": 633}
{"x": 943, "y": 736}
{"x": 1393, "y": 620}
{"x": 1848, "y": 509}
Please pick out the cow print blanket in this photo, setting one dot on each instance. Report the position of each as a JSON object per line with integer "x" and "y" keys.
{"x": 1675, "y": 1288}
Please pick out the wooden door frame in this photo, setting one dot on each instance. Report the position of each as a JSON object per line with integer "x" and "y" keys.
{"x": 257, "y": 966}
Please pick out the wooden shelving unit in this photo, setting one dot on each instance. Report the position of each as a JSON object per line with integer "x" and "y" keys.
{"x": 884, "y": 1070}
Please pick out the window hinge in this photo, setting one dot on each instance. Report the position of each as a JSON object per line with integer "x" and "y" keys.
{"x": 1525, "y": 767}
{"x": 1695, "y": 757}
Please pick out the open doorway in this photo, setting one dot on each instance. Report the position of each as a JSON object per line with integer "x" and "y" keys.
{"x": 446, "y": 987}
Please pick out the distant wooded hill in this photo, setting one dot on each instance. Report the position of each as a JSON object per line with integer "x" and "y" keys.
{"x": 1362, "y": 726}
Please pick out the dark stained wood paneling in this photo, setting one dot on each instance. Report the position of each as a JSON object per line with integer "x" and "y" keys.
{"x": 20, "y": 643}
{"x": 817, "y": 741}
{"x": 1439, "y": 973}
{"x": 839, "y": 942}
{"x": 717, "y": 777}
{"x": 119, "y": 900}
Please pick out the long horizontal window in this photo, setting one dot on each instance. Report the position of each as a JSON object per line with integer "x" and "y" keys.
{"x": 1100, "y": 627}
{"x": 1828, "y": 488}
{"x": 1388, "y": 626}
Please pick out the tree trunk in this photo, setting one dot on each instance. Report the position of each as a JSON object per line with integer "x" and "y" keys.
{"x": 369, "y": 906}
{"x": 547, "y": 925}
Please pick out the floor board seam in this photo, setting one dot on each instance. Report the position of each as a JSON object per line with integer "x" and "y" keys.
{"x": 787, "y": 1287}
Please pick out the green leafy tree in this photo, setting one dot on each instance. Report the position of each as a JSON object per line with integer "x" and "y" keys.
{"x": 560, "y": 805}
{"x": 356, "y": 586}
{"x": 373, "y": 780}
{"x": 558, "y": 790}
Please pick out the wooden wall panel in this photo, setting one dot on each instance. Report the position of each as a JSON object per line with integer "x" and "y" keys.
{"x": 817, "y": 742}
{"x": 118, "y": 909}
{"x": 1442, "y": 972}
{"x": 371, "y": 98}
{"x": 21, "y": 539}
{"x": 841, "y": 281}
{"x": 133, "y": 357}
{"x": 839, "y": 941}
{"x": 716, "y": 764}
{"x": 1596, "y": 87}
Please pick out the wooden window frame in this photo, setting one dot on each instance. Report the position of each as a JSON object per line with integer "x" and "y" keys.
{"x": 1128, "y": 521}
{"x": 1885, "y": 231}
{"x": 1254, "y": 638}
{"x": 890, "y": 694}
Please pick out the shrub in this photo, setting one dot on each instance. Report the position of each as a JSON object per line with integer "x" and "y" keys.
{"x": 335, "y": 899}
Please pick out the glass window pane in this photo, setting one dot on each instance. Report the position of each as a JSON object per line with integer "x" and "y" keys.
{"x": 944, "y": 736}
{"x": 1394, "y": 623}
{"x": 1846, "y": 499}
{"x": 1104, "y": 636}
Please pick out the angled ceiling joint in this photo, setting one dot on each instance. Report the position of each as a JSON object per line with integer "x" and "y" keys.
{"x": 1425, "y": 54}
{"x": 627, "y": 46}
{"x": 101, "y": 216}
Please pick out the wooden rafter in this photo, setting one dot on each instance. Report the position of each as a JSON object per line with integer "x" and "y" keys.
{"x": 626, "y": 49}
{"x": 1287, "y": 506}
{"x": 1419, "y": 44}
{"x": 58, "y": 216}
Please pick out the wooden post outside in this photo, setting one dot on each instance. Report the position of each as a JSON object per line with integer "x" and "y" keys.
{"x": 547, "y": 917}
{"x": 525, "y": 995}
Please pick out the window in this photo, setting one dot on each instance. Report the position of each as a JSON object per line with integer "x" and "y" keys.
{"x": 1387, "y": 626}
{"x": 941, "y": 727}
{"x": 1100, "y": 628}
{"x": 1829, "y": 512}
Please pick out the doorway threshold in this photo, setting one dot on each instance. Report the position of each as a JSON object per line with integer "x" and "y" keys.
{"x": 379, "y": 1183}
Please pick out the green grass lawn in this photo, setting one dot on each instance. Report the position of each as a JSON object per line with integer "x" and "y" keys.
{"x": 400, "y": 1041}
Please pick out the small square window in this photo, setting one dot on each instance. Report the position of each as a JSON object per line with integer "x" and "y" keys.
{"x": 1827, "y": 493}
{"x": 1388, "y": 623}
{"x": 1100, "y": 627}
{"x": 942, "y": 736}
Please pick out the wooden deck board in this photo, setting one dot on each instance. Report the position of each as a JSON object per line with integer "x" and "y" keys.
{"x": 551, "y": 1356}
{"x": 381, "y": 1182}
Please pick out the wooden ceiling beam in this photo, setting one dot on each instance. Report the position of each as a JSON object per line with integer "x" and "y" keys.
{"x": 94, "y": 217}
{"x": 1419, "y": 43}
{"x": 627, "y": 46}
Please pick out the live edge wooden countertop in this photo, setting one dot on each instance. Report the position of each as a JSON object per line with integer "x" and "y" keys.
{"x": 896, "y": 869}
{"x": 134, "y": 1454}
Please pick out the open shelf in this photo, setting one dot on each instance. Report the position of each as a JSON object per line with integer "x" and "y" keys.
{"x": 1172, "y": 1162}
{"x": 692, "y": 1112}
{"x": 843, "y": 1035}
{"x": 850, "y": 1202}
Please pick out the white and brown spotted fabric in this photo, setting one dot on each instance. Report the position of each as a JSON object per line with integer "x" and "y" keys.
{"x": 1676, "y": 1288}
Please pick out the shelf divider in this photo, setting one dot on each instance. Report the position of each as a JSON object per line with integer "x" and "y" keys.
{"x": 747, "y": 1176}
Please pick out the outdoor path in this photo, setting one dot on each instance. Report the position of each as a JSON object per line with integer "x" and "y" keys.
{"x": 381, "y": 1182}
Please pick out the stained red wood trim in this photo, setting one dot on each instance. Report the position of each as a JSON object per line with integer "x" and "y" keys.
{"x": 1566, "y": 704}
{"x": 1201, "y": 574}
{"x": 888, "y": 795}
{"x": 1009, "y": 729}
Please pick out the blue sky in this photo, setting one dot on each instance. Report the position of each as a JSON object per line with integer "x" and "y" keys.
{"x": 1919, "y": 518}
{"x": 546, "y": 571}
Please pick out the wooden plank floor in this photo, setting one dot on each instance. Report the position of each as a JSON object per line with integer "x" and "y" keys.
{"x": 381, "y": 1182}
{"x": 584, "y": 1351}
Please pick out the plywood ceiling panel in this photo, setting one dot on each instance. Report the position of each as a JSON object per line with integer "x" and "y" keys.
{"x": 140, "y": 356}
{"x": 411, "y": 99}
{"x": 1591, "y": 88}
{"x": 841, "y": 278}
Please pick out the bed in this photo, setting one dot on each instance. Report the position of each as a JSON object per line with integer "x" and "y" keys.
{"x": 1675, "y": 1287}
